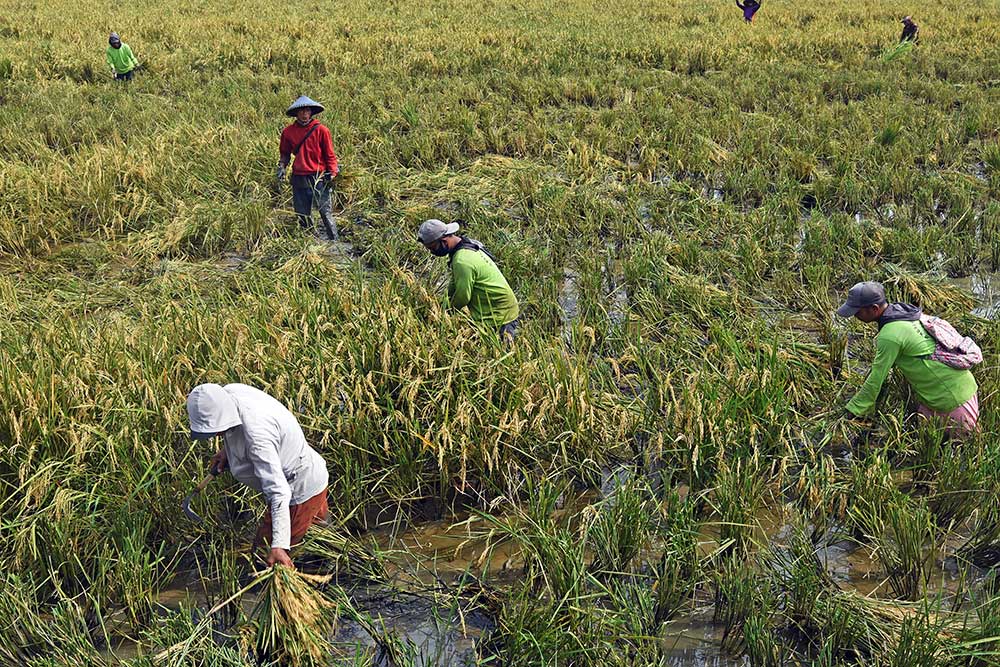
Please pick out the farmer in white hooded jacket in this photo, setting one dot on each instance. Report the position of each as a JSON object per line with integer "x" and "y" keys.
{"x": 264, "y": 447}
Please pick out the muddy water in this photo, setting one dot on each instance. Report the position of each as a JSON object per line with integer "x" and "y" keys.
{"x": 569, "y": 299}
{"x": 617, "y": 296}
{"x": 436, "y": 635}
{"x": 452, "y": 549}
{"x": 986, "y": 288}
{"x": 694, "y": 641}
{"x": 426, "y": 564}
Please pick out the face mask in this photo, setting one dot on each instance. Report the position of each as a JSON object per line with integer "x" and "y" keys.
{"x": 440, "y": 250}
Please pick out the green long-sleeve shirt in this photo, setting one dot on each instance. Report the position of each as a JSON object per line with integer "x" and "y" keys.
{"x": 906, "y": 346}
{"x": 121, "y": 59}
{"x": 476, "y": 282}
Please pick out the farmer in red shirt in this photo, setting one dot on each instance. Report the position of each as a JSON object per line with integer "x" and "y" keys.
{"x": 315, "y": 163}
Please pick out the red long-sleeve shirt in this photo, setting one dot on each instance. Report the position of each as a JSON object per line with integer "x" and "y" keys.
{"x": 316, "y": 154}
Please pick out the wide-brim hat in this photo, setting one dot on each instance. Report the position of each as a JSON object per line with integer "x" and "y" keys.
{"x": 304, "y": 102}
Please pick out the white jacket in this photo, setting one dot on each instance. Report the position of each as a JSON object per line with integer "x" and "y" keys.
{"x": 265, "y": 447}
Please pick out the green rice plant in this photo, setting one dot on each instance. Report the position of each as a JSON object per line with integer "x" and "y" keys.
{"x": 621, "y": 529}
{"x": 34, "y": 633}
{"x": 888, "y": 135}
{"x": 738, "y": 498}
{"x": 550, "y": 631}
{"x": 741, "y": 593}
{"x": 978, "y": 645}
{"x": 983, "y": 544}
{"x": 991, "y": 156}
{"x": 904, "y": 540}
{"x": 897, "y": 51}
{"x": 761, "y": 644}
{"x": 328, "y": 551}
{"x": 962, "y": 476}
{"x": 555, "y": 555}
{"x": 920, "y": 642}
{"x": 678, "y": 571}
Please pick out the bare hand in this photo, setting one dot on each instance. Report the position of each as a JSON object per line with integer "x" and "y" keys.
{"x": 219, "y": 462}
{"x": 279, "y": 556}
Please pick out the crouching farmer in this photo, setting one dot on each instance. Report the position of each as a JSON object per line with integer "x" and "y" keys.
{"x": 264, "y": 448}
{"x": 932, "y": 357}
{"x": 476, "y": 281}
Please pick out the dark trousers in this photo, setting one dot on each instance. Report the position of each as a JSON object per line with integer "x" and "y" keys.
{"x": 127, "y": 76}
{"x": 311, "y": 189}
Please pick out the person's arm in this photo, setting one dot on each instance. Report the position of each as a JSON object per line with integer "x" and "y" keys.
{"x": 739, "y": 5}
{"x": 285, "y": 149}
{"x": 111, "y": 63}
{"x": 461, "y": 284}
{"x": 284, "y": 154}
{"x": 886, "y": 352}
{"x": 329, "y": 157}
{"x": 263, "y": 453}
{"x": 131, "y": 56}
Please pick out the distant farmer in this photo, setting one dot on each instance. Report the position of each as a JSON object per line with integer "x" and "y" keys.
{"x": 120, "y": 58}
{"x": 749, "y": 8}
{"x": 315, "y": 164}
{"x": 263, "y": 447}
{"x": 476, "y": 280}
{"x": 910, "y": 31}
{"x": 905, "y": 341}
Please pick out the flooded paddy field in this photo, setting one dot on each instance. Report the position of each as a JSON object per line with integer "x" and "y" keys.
{"x": 659, "y": 472}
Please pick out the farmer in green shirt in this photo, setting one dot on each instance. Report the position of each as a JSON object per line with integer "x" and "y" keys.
{"x": 903, "y": 342}
{"x": 120, "y": 58}
{"x": 476, "y": 282}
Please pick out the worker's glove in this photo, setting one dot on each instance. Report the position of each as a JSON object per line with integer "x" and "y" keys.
{"x": 328, "y": 177}
{"x": 280, "y": 174}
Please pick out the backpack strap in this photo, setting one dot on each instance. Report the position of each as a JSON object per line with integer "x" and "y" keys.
{"x": 295, "y": 151}
{"x": 470, "y": 244}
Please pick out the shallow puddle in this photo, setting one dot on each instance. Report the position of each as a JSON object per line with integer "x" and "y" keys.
{"x": 986, "y": 288}
{"x": 436, "y": 636}
{"x": 569, "y": 297}
{"x": 419, "y": 604}
{"x": 695, "y": 641}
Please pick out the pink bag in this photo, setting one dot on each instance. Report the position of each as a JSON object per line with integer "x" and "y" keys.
{"x": 951, "y": 348}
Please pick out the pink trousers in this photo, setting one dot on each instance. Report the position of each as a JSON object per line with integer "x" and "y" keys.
{"x": 963, "y": 418}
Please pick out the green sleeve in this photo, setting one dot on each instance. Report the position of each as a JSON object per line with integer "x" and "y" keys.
{"x": 461, "y": 284}
{"x": 131, "y": 56}
{"x": 107, "y": 57}
{"x": 886, "y": 351}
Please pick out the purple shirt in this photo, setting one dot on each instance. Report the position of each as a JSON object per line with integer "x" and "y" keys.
{"x": 749, "y": 9}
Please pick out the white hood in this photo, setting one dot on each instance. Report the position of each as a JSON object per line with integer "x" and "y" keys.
{"x": 211, "y": 410}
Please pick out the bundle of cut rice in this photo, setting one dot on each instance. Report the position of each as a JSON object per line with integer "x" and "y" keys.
{"x": 292, "y": 620}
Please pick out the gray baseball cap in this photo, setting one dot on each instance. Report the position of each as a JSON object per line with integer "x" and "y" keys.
{"x": 861, "y": 295}
{"x": 433, "y": 230}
